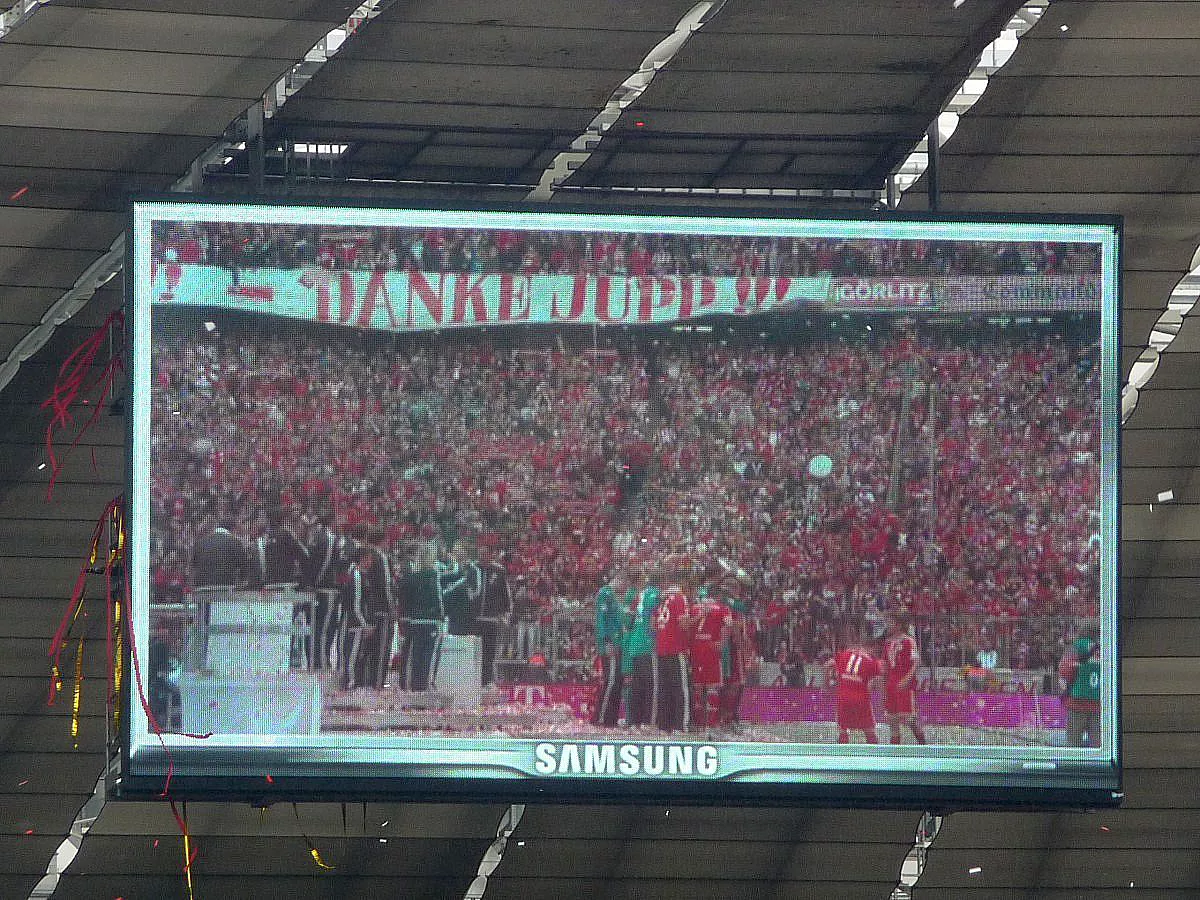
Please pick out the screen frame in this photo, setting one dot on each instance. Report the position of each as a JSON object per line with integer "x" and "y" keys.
{"x": 952, "y": 790}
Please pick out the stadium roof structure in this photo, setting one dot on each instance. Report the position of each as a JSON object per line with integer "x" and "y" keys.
{"x": 474, "y": 100}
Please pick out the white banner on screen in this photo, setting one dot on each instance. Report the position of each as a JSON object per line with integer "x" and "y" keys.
{"x": 416, "y": 301}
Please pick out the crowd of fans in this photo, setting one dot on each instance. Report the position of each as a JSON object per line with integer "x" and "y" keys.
{"x": 239, "y": 247}
{"x": 963, "y": 481}
{"x": 964, "y": 488}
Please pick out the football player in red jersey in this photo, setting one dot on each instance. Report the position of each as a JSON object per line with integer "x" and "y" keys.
{"x": 713, "y": 622}
{"x": 672, "y": 634}
{"x": 853, "y": 670}
{"x": 900, "y": 695}
{"x": 736, "y": 655}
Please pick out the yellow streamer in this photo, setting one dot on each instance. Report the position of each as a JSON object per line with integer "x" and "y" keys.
{"x": 78, "y": 693}
{"x": 78, "y": 610}
{"x": 316, "y": 855}
{"x": 187, "y": 862}
{"x": 117, "y": 527}
{"x": 118, "y": 666}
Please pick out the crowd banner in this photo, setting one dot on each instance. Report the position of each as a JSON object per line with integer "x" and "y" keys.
{"x": 1011, "y": 294}
{"x": 421, "y": 301}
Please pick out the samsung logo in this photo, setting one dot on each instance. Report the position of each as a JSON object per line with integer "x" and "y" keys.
{"x": 654, "y": 760}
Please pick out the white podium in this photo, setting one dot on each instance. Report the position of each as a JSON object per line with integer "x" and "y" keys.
{"x": 276, "y": 703}
{"x": 253, "y": 631}
{"x": 245, "y": 683}
{"x": 460, "y": 670}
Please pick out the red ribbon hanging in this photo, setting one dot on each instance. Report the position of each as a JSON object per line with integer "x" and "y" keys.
{"x": 75, "y": 382}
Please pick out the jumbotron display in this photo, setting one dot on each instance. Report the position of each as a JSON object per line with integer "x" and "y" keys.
{"x": 543, "y": 504}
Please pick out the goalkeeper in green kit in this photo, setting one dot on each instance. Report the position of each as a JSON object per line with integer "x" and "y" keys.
{"x": 610, "y": 636}
{"x": 1080, "y": 673}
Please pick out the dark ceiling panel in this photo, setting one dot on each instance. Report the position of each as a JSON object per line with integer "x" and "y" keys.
{"x": 715, "y": 50}
{"x": 26, "y": 304}
{"x": 41, "y": 266}
{"x": 977, "y": 891}
{"x": 1140, "y": 483}
{"x": 707, "y": 823}
{"x": 671, "y": 889}
{"x": 599, "y": 15}
{"x": 1070, "y": 869}
{"x": 1175, "y": 370}
{"x": 1136, "y": 21}
{"x": 749, "y": 92}
{"x": 102, "y": 150}
{"x": 89, "y": 189}
{"x": 431, "y": 115}
{"x": 1149, "y": 289}
{"x": 464, "y": 821}
{"x": 1062, "y": 173}
{"x": 143, "y": 113}
{"x": 442, "y": 83}
{"x": 265, "y": 856}
{"x": 1076, "y": 134}
{"x": 308, "y": 882}
{"x": 135, "y": 71}
{"x": 30, "y": 226}
{"x": 1168, "y": 408}
{"x": 443, "y": 155}
{"x": 157, "y": 31}
{"x": 1075, "y": 53}
{"x": 913, "y": 19}
{"x": 317, "y": 11}
{"x": 478, "y": 44}
{"x": 1092, "y": 95}
{"x": 789, "y": 124}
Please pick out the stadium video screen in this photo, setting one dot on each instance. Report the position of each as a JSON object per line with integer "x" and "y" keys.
{"x": 544, "y": 504}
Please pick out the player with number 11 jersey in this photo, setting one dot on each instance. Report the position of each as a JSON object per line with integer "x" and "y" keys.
{"x": 854, "y": 669}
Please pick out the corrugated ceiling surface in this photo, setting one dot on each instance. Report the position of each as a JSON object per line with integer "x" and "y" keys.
{"x": 103, "y": 98}
{"x": 765, "y": 94}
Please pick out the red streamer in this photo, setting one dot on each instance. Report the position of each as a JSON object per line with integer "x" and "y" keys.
{"x": 73, "y": 384}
